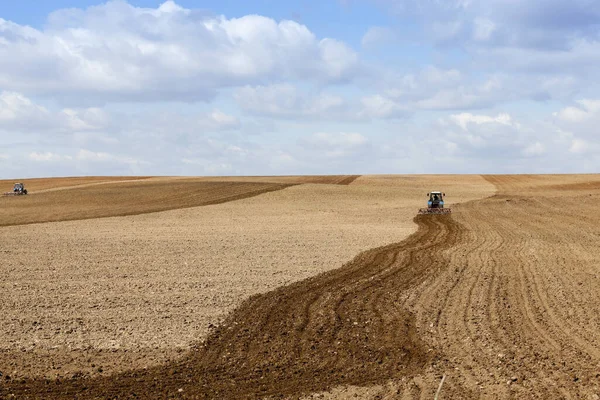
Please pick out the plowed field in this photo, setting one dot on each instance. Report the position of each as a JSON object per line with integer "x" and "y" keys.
{"x": 500, "y": 298}
{"x": 111, "y": 199}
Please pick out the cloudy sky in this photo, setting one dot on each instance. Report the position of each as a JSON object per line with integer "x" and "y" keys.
{"x": 269, "y": 87}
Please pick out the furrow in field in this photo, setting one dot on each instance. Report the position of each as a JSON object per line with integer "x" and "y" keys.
{"x": 346, "y": 326}
{"x": 501, "y": 297}
{"x": 515, "y": 316}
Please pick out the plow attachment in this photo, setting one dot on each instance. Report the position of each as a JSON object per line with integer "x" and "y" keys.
{"x": 435, "y": 211}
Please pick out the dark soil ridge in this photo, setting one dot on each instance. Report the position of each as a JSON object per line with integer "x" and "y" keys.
{"x": 348, "y": 180}
{"x": 344, "y": 327}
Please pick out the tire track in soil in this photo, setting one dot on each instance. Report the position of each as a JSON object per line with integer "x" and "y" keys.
{"x": 346, "y": 326}
{"x": 516, "y": 309}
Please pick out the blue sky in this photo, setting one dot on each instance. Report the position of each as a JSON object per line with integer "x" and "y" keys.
{"x": 307, "y": 87}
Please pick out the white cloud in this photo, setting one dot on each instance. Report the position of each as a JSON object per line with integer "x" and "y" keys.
{"x": 378, "y": 106}
{"x": 534, "y": 149}
{"x": 21, "y": 114}
{"x": 342, "y": 139}
{"x": 71, "y": 91}
{"x": 223, "y": 120}
{"x": 464, "y": 119}
{"x": 483, "y": 28}
{"x": 48, "y": 157}
{"x": 462, "y": 142}
{"x": 286, "y": 101}
{"x": 579, "y": 146}
{"x": 335, "y": 145}
{"x": 584, "y": 110}
{"x": 491, "y": 137}
{"x": 119, "y": 51}
{"x": 82, "y": 155}
{"x": 16, "y": 108}
{"x": 434, "y": 88}
{"x": 571, "y": 114}
{"x": 546, "y": 24}
{"x": 377, "y": 36}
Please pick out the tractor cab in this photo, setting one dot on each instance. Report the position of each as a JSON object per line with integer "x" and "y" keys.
{"x": 19, "y": 188}
{"x": 436, "y": 200}
{"x": 435, "y": 204}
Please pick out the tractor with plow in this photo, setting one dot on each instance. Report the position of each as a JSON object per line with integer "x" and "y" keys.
{"x": 18, "y": 190}
{"x": 435, "y": 204}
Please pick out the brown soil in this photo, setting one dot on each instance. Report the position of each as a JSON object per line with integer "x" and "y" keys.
{"x": 515, "y": 313}
{"x": 41, "y": 184}
{"x": 68, "y": 199}
{"x": 98, "y": 297}
{"x": 289, "y": 179}
{"x": 345, "y": 326}
{"x": 110, "y": 199}
{"x": 500, "y": 297}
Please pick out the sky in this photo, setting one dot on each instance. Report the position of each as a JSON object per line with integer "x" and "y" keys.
{"x": 269, "y": 87}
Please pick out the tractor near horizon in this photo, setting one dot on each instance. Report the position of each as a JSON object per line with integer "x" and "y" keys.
{"x": 18, "y": 190}
{"x": 435, "y": 204}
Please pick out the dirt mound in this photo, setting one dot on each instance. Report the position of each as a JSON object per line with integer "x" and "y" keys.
{"x": 347, "y": 326}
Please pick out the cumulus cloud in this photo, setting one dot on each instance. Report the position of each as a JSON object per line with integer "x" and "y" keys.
{"x": 547, "y": 24}
{"x": 534, "y": 149}
{"x": 578, "y": 125}
{"x": 432, "y": 88}
{"x": 16, "y": 109}
{"x": 464, "y": 119}
{"x": 286, "y": 101}
{"x": 480, "y": 135}
{"x": 378, "y": 106}
{"x": 579, "y": 146}
{"x": 346, "y": 140}
{"x": 47, "y": 157}
{"x": 82, "y": 155}
{"x": 335, "y": 145}
{"x": 118, "y": 51}
{"x": 377, "y": 36}
{"x": 72, "y": 92}
{"x": 544, "y": 39}
{"x": 21, "y": 114}
{"x": 584, "y": 110}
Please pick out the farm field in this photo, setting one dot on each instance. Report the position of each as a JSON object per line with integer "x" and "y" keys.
{"x": 66, "y": 199}
{"x": 322, "y": 287}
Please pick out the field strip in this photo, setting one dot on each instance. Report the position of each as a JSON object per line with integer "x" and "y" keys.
{"x": 513, "y": 315}
{"x": 342, "y": 327}
{"x": 84, "y": 185}
{"x": 515, "y": 312}
{"x": 125, "y": 199}
{"x": 333, "y": 180}
{"x": 500, "y": 297}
